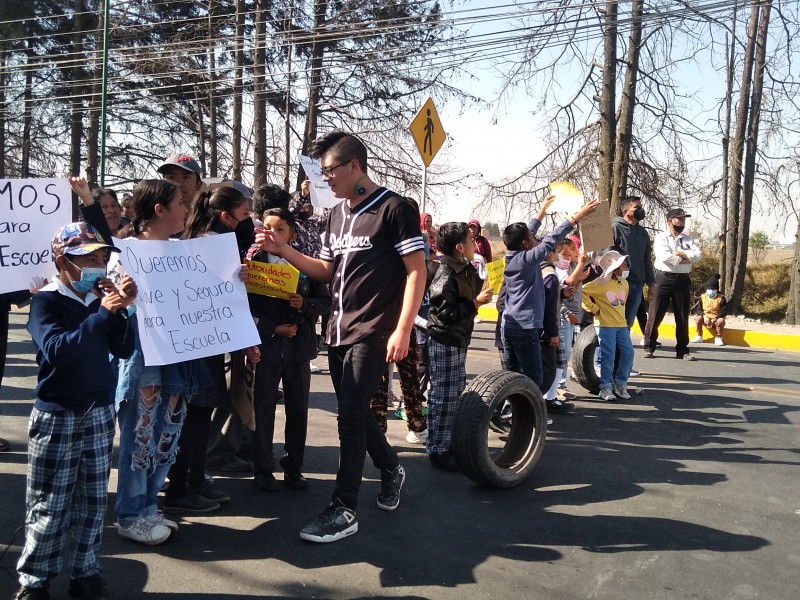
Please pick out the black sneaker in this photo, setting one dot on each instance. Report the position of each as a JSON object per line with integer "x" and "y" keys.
{"x": 26, "y": 593}
{"x": 559, "y": 406}
{"x": 334, "y": 523}
{"x": 391, "y": 484}
{"x": 295, "y": 480}
{"x": 266, "y": 482}
{"x": 208, "y": 490}
{"x": 445, "y": 462}
{"x": 89, "y": 588}
{"x": 190, "y": 504}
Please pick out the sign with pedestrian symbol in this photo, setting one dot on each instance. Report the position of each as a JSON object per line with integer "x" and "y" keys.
{"x": 428, "y": 133}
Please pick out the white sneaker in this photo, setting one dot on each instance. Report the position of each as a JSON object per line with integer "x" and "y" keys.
{"x": 634, "y": 373}
{"x": 549, "y": 420}
{"x": 607, "y": 395}
{"x": 144, "y": 532}
{"x": 621, "y": 391}
{"x": 718, "y": 341}
{"x": 641, "y": 342}
{"x": 419, "y": 437}
{"x": 315, "y": 368}
{"x": 160, "y": 519}
{"x": 698, "y": 339}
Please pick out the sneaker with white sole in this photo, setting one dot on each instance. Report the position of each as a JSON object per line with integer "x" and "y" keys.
{"x": 417, "y": 437}
{"x": 160, "y": 519}
{"x": 391, "y": 484}
{"x": 621, "y": 391}
{"x": 314, "y": 368}
{"x": 606, "y": 394}
{"x": 698, "y": 339}
{"x": 334, "y": 523}
{"x": 718, "y": 341}
{"x": 634, "y": 373}
{"x": 144, "y": 532}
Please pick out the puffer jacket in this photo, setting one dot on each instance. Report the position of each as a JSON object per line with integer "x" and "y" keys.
{"x": 451, "y": 317}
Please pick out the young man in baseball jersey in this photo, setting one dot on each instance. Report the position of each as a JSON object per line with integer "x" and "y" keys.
{"x": 372, "y": 257}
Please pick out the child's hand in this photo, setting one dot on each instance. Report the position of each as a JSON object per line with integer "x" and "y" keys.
{"x": 37, "y": 282}
{"x": 296, "y": 301}
{"x": 485, "y": 296}
{"x": 244, "y": 272}
{"x": 287, "y": 330}
{"x": 253, "y": 354}
{"x": 112, "y": 301}
{"x": 554, "y": 342}
{"x": 128, "y": 290}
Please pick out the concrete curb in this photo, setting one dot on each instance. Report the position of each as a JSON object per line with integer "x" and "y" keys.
{"x": 744, "y": 338}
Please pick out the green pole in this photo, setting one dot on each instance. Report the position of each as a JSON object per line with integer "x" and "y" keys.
{"x": 103, "y": 94}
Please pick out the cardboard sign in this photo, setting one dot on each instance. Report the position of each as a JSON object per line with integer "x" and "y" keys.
{"x": 191, "y": 303}
{"x": 270, "y": 279}
{"x": 321, "y": 194}
{"x": 596, "y": 231}
{"x": 31, "y": 211}
{"x": 495, "y": 271}
{"x": 568, "y": 197}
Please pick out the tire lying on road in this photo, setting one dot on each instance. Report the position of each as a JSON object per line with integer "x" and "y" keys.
{"x": 581, "y": 361}
{"x": 507, "y": 466}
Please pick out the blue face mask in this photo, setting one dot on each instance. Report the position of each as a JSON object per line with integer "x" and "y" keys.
{"x": 89, "y": 277}
{"x": 711, "y": 293}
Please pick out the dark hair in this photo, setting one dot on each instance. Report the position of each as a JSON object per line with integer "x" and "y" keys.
{"x": 284, "y": 215}
{"x": 207, "y": 209}
{"x": 341, "y": 146}
{"x": 449, "y": 235}
{"x": 270, "y": 196}
{"x": 514, "y": 235}
{"x": 565, "y": 242}
{"x": 126, "y": 198}
{"x": 628, "y": 200}
{"x": 96, "y": 193}
{"x": 146, "y": 195}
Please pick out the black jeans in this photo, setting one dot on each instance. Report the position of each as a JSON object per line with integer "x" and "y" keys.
{"x": 356, "y": 370}
{"x": 675, "y": 288}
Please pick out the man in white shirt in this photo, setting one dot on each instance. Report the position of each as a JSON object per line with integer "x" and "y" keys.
{"x": 675, "y": 253}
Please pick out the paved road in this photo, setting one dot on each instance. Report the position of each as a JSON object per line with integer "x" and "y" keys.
{"x": 688, "y": 491}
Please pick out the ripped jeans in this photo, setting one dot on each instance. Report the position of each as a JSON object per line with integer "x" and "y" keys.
{"x": 149, "y": 429}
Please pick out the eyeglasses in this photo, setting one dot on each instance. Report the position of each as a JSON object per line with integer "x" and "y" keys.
{"x": 328, "y": 171}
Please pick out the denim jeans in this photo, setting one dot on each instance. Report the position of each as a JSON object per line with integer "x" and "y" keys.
{"x": 356, "y": 371}
{"x": 635, "y": 289}
{"x": 567, "y": 335}
{"x": 612, "y": 340}
{"x": 522, "y": 350}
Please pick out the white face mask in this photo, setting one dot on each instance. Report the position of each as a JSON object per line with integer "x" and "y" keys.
{"x": 711, "y": 293}
{"x": 625, "y": 274}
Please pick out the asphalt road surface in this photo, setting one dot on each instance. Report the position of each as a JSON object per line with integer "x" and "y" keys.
{"x": 689, "y": 490}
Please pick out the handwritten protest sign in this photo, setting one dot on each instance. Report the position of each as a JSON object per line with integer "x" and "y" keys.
{"x": 596, "y": 231}
{"x": 321, "y": 194}
{"x": 31, "y": 211}
{"x": 495, "y": 270}
{"x": 191, "y": 303}
{"x": 268, "y": 279}
{"x": 568, "y": 197}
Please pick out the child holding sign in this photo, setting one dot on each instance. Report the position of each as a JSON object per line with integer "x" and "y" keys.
{"x": 288, "y": 344}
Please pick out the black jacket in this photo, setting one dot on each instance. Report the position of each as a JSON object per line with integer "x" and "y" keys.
{"x": 451, "y": 317}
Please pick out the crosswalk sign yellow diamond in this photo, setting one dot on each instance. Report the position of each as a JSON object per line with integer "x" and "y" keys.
{"x": 427, "y": 130}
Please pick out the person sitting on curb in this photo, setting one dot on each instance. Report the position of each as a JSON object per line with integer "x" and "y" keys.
{"x": 712, "y": 309}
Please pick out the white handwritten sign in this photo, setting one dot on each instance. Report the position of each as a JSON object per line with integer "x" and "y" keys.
{"x": 31, "y": 211}
{"x": 596, "y": 231}
{"x": 191, "y": 303}
{"x": 321, "y": 193}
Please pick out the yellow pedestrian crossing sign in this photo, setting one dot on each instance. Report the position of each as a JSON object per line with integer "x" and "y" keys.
{"x": 426, "y": 128}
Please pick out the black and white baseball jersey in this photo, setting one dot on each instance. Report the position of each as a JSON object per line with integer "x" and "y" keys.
{"x": 366, "y": 246}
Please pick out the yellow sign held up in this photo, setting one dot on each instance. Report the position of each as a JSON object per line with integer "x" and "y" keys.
{"x": 269, "y": 279}
{"x": 428, "y": 133}
{"x": 494, "y": 274}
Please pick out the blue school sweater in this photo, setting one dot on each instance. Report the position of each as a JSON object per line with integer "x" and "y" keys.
{"x": 74, "y": 344}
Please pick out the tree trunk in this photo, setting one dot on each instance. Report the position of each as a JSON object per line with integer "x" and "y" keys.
{"x": 77, "y": 112}
{"x": 314, "y": 80}
{"x": 726, "y": 138}
{"x": 27, "y": 115}
{"x": 213, "y": 158}
{"x": 95, "y": 108}
{"x": 608, "y": 102}
{"x": 732, "y": 250}
{"x": 238, "y": 89}
{"x": 622, "y": 145}
{"x": 201, "y": 128}
{"x": 259, "y": 96}
{"x": 793, "y": 310}
{"x": 3, "y": 60}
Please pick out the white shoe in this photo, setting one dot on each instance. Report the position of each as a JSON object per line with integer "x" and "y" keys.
{"x": 621, "y": 391}
{"x": 641, "y": 342}
{"x": 315, "y": 368}
{"x": 698, "y": 339}
{"x": 634, "y": 373}
{"x": 718, "y": 341}
{"x": 144, "y": 532}
{"x": 160, "y": 519}
{"x": 549, "y": 420}
{"x": 606, "y": 395}
{"x": 419, "y": 437}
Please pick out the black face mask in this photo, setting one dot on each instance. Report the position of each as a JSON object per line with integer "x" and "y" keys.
{"x": 679, "y": 228}
{"x": 639, "y": 214}
{"x": 245, "y": 232}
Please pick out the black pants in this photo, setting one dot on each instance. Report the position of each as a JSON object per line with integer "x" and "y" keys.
{"x": 677, "y": 289}
{"x": 190, "y": 462}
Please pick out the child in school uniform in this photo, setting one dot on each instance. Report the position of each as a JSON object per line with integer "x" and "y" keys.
{"x": 288, "y": 344}
{"x": 78, "y": 322}
{"x": 605, "y": 298}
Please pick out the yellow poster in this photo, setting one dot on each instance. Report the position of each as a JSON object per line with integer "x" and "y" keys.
{"x": 268, "y": 279}
{"x": 494, "y": 274}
